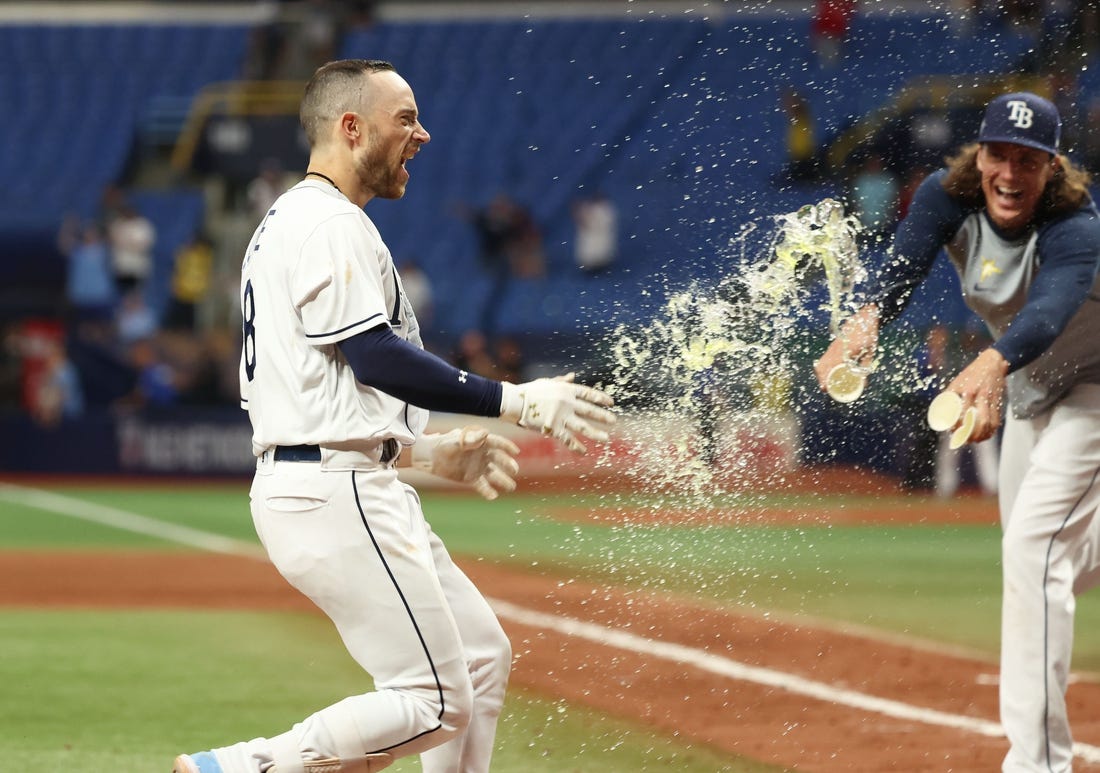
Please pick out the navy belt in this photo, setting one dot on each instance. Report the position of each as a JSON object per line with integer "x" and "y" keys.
{"x": 390, "y": 449}
{"x": 297, "y": 453}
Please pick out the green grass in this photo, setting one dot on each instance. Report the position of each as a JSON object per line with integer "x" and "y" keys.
{"x": 115, "y": 692}
{"x": 935, "y": 582}
{"x": 124, "y": 691}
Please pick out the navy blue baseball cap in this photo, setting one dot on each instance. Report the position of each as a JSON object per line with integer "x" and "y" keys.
{"x": 1022, "y": 118}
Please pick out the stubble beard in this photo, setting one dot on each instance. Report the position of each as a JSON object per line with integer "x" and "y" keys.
{"x": 378, "y": 174}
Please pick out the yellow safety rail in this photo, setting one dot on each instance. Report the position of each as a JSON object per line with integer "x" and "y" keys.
{"x": 236, "y": 98}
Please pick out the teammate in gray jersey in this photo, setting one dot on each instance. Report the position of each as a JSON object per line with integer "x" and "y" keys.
{"x": 1016, "y": 221}
{"x": 336, "y": 384}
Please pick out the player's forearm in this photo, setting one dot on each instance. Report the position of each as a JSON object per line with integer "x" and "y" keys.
{"x": 933, "y": 217}
{"x": 381, "y": 360}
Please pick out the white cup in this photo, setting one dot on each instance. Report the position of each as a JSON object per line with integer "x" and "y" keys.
{"x": 845, "y": 382}
{"x": 944, "y": 411}
{"x": 962, "y": 434}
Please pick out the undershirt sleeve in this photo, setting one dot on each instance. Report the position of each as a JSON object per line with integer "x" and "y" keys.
{"x": 933, "y": 218}
{"x": 382, "y": 360}
{"x": 1069, "y": 253}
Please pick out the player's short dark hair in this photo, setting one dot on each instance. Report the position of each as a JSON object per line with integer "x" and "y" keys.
{"x": 332, "y": 90}
{"x": 1067, "y": 191}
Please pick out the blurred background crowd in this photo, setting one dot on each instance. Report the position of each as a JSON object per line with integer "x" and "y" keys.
{"x": 587, "y": 160}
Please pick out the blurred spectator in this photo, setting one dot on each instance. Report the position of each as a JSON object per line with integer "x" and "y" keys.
{"x": 510, "y": 246}
{"x": 361, "y": 13}
{"x": 913, "y": 178}
{"x": 89, "y": 281}
{"x": 1084, "y": 35}
{"x": 155, "y": 379}
{"x": 929, "y": 138}
{"x": 1024, "y": 15}
{"x": 597, "y": 232}
{"x": 132, "y": 237}
{"x": 472, "y": 354}
{"x": 135, "y": 321}
{"x": 266, "y": 51}
{"x": 190, "y": 282}
{"x": 1066, "y": 95}
{"x": 111, "y": 203}
{"x": 829, "y": 30}
{"x": 196, "y": 364}
{"x": 320, "y": 31}
{"x": 303, "y": 35}
{"x": 49, "y": 386}
{"x": 963, "y": 17}
{"x": 525, "y": 250}
{"x": 510, "y": 364}
{"x": 11, "y": 368}
{"x": 418, "y": 289}
{"x": 875, "y": 196}
{"x": 59, "y": 394}
{"x": 802, "y": 162}
{"x": 267, "y": 186}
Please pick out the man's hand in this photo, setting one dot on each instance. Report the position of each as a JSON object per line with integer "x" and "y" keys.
{"x": 982, "y": 384}
{"x": 856, "y": 343}
{"x": 470, "y": 455}
{"x": 559, "y": 408}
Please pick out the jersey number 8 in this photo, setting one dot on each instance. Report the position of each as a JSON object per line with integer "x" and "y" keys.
{"x": 248, "y": 312}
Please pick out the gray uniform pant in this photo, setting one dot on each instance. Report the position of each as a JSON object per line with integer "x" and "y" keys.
{"x": 1049, "y": 495}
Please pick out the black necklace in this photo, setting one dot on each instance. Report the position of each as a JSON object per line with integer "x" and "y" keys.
{"x": 326, "y": 178}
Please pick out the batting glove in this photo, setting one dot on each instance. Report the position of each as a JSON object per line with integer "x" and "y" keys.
{"x": 470, "y": 455}
{"x": 559, "y": 408}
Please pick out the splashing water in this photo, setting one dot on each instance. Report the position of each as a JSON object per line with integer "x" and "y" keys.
{"x": 710, "y": 378}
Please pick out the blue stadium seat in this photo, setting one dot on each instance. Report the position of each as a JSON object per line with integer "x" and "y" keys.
{"x": 79, "y": 91}
{"x": 677, "y": 118}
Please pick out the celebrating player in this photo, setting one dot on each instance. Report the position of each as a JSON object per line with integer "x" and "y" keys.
{"x": 1016, "y": 220}
{"x": 336, "y": 384}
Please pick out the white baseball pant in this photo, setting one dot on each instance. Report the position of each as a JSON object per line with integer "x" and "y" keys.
{"x": 357, "y": 543}
{"x": 1049, "y": 494}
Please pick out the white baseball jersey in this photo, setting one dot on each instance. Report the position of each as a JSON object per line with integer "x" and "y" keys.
{"x": 317, "y": 272}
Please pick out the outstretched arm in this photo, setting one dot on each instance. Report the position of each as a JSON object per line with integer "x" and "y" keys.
{"x": 933, "y": 219}
{"x": 556, "y": 407}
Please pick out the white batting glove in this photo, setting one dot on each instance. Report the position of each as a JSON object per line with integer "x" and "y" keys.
{"x": 559, "y": 408}
{"x": 469, "y": 455}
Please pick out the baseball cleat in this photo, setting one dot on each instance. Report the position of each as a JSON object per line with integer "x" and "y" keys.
{"x": 200, "y": 762}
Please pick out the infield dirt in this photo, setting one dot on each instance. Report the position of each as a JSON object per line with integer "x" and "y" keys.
{"x": 765, "y": 723}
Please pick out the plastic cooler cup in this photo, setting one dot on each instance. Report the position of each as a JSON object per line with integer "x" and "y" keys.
{"x": 944, "y": 411}
{"x": 962, "y": 434}
{"x": 845, "y": 382}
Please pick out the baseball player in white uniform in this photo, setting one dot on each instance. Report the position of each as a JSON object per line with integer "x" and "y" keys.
{"x": 338, "y": 389}
{"x": 1016, "y": 220}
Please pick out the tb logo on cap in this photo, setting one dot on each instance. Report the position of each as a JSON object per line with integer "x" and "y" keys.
{"x": 1020, "y": 114}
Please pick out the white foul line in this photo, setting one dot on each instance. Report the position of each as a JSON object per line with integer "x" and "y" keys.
{"x": 127, "y": 521}
{"x": 716, "y": 664}
{"x": 732, "y": 669}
